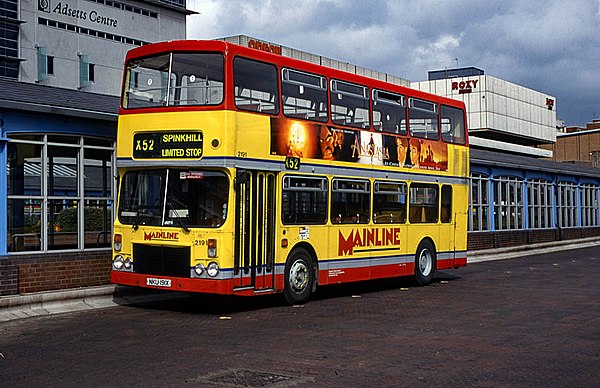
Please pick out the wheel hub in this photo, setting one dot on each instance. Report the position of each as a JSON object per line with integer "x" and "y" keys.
{"x": 425, "y": 262}
{"x": 298, "y": 276}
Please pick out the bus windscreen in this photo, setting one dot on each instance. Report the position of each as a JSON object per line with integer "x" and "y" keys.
{"x": 174, "y": 79}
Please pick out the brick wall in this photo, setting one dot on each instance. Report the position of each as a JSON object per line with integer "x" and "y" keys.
{"x": 53, "y": 271}
{"x": 535, "y": 236}
{"x": 9, "y": 276}
{"x": 479, "y": 240}
{"x": 590, "y": 232}
{"x": 569, "y": 233}
{"x": 510, "y": 238}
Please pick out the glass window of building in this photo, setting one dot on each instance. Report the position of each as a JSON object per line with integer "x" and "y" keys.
{"x": 540, "y": 204}
{"x": 508, "y": 203}
{"x": 589, "y": 205}
{"x": 479, "y": 202}
{"x": 567, "y": 204}
{"x": 9, "y": 39}
{"x": 60, "y": 193}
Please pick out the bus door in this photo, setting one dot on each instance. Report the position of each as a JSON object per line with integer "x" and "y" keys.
{"x": 447, "y": 226}
{"x": 254, "y": 250}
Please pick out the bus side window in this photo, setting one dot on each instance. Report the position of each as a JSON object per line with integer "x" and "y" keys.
{"x": 350, "y": 201}
{"x": 453, "y": 125}
{"x": 304, "y": 200}
{"x": 389, "y": 202}
{"x": 423, "y": 119}
{"x": 304, "y": 95}
{"x": 349, "y": 104}
{"x": 255, "y": 86}
{"x": 389, "y": 112}
{"x": 423, "y": 203}
{"x": 446, "y": 204}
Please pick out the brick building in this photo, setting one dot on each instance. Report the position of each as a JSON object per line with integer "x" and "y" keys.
{"x": 577, "y": 145}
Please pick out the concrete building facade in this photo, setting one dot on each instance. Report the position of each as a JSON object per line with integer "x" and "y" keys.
{"x": 498, "y": 110}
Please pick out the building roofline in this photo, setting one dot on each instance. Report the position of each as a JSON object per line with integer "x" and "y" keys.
{"x": 577, "y": 133}
{"x": 500, "y": 159}
{"x": 24, "y": 96}
{"x": 171, "y": 7}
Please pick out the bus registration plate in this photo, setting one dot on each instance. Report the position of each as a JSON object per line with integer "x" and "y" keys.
{"x": 158, "y": 282}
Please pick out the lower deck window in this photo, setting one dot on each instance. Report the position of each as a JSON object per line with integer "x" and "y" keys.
{"x": 304, "y": 200}
{"x": 389, "y": 203}
{"x": 350, "y": 201}
{"x": 423, "y": 206}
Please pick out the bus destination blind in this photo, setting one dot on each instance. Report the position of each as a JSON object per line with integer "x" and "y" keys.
{"x": 167, "y": 145}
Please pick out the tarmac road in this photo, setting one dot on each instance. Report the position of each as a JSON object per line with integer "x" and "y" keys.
{"x": 528, "y": 321}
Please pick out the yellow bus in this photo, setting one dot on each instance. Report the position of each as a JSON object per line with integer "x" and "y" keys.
{"x": 245, "y": 172}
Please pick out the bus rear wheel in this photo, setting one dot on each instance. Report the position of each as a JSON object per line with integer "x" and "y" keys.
{"x": 299, "y": 277}
{"x": 425, "y": 263}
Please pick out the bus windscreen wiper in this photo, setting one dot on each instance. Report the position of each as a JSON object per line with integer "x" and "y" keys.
{"x": 139, "y": 218}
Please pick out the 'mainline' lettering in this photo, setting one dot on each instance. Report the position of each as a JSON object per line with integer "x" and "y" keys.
{"x": 379, "y": 237}
{"x": 161, "y": 236}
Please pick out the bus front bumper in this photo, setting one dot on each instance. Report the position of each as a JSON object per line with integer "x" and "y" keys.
{"x": 212, "y": 286}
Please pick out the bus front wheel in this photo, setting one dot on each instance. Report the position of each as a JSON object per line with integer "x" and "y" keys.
{"x": 425, "y": 263}
{"x": 299, "y": 277}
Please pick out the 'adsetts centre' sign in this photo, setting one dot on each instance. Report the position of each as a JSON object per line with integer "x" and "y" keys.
{"x": 63, "y": 8}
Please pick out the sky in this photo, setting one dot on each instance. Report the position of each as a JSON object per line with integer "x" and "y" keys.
{"x": 552, "y": 46}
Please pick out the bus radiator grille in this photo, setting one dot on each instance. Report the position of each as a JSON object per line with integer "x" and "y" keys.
{"x": 161, "y": 260}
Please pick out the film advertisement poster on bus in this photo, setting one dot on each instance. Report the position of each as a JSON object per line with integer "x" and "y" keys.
{"x": 319, "y": 141}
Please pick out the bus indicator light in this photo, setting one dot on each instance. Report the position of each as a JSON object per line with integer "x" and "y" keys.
{"x": 212, "y": 247}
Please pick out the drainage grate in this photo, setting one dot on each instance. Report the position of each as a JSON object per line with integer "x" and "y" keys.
{"x": 250, "y": 379}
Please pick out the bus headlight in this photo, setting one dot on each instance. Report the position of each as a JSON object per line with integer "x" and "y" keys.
{"x": 118, "y": 262}
{"x": 213, "y": 269}
{"x": 127, "y": 263}
{"x": 199, "y": 269}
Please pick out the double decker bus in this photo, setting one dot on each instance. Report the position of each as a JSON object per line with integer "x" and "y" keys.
{"x": 245, "y": 172}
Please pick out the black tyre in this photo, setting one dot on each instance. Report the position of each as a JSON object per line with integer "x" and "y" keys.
{"x": 299, "y": 277}
{"x": 425, "y": 263}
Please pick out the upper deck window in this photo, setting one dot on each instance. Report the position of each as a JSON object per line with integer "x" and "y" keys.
{"x": 349, "y": 104}
{"x": 255, "y": 86}
{"x": 389, "y": 112}
{"x": 453, "y": 125}
{"x": 304, "y": 95}
{"x": 174, "y": 79}
{"x": 423, "y": 119}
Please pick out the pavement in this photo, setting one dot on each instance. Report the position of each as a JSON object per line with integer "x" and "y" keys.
{"x": 62, "y": 301}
